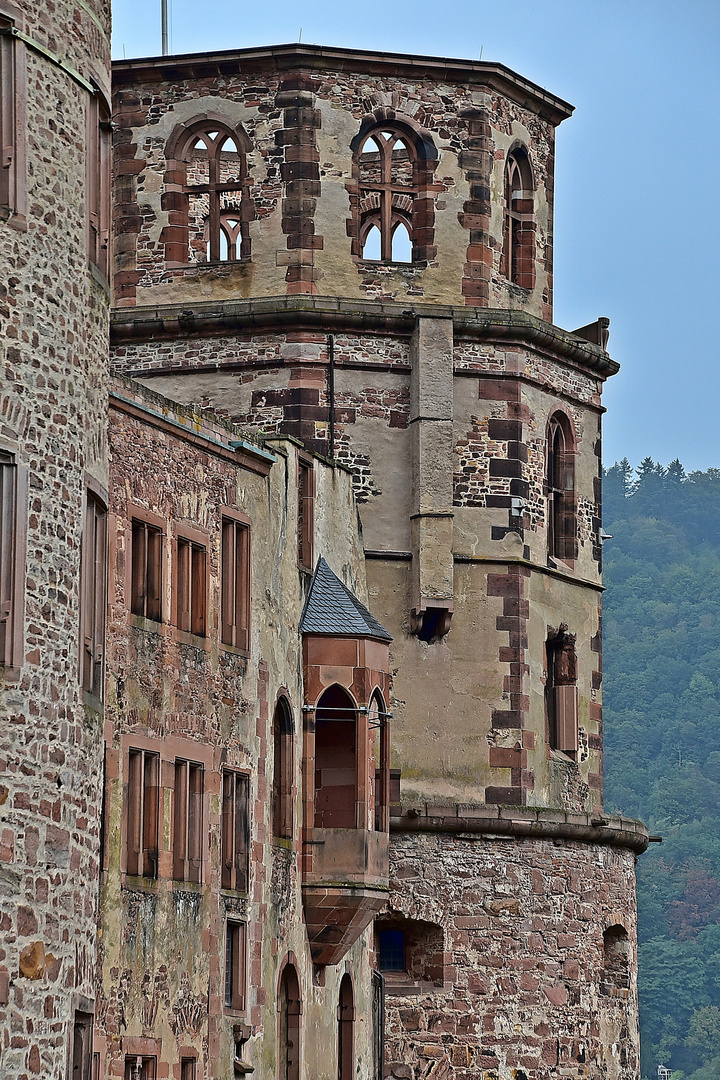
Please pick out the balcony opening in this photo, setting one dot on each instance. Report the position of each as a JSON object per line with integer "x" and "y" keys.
{"x": 336, "y": 761}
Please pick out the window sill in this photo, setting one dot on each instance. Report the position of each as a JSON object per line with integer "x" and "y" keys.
{"x": 181, "y": 885}
{"x": 562, "y": 757}
{"x": 283, "y": 842}
{"x": 196, "y": 641}
{"x": 374, "y": 264}
{"x": 140, "y": 884}
{"x": 401, "y": 984}
{"x": 93, "y": 702}
{"x": 150, "y": 626}
{"x": 233, "y": 650}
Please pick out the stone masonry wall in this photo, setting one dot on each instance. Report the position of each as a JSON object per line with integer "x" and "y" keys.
{"x": 53, "y": 364}
{"x": 525, "y": 991}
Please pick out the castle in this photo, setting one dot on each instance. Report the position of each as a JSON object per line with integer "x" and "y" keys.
{"x": 301, "y": 744}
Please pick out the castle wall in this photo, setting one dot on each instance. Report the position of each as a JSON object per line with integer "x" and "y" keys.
{"x": 54, "y": 310}
{"x": 189, "y": 697}
{"x": 526, "y": 989}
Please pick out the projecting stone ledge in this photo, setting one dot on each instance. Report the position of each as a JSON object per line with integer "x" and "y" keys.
{"x": 490, "y": 819}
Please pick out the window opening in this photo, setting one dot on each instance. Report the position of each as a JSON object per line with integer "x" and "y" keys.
{"x": 235, "y": 831}
{"x": 289, "y": 1011}
{"x": 97, "y": 158}
{"x": 283, "y": 768}
{"x": 235, "y": 584}
{"x": 13, "y": 124}
{"x": 560, "y": 485}
{"x": 616, "y": 967}
{"x": 187, "y": 1069}
{"x": 518, "y": 256}
{"x": 82, "y": 1047}
{"x": 188, "y": 828}
{"x": 372, "y": 248}
{"x": 10, "y": 609}
{"x": 94, "y": 595}
{"x": 346, "y": 1030}
{"x": 335, "y": 761}
{"x": 216, "y": 193}
{"x": 235, "y": 944}
{"x": 401, "y": 243}
{"x": 191, "y": 586}
{"x": 143, "y": 813}
{"x": 561, "y": 694}
{"x": 140, "y": 1068}
{"x": 306, "y": 514}
{"x": 146, "y": 580}
{"x": 391, "y": 950}
{"x": 379, "y": 733}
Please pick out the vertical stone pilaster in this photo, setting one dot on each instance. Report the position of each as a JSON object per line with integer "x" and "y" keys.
{"x": 431, "y": 423}
{"x": 300, "y": 173}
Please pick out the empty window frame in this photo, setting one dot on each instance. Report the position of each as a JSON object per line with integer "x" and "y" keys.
{"x": 616, "y": 958}
{"x": 346, "y": 1029}
{"x": 97, "y": 180}
{"x": 289, "y": 1025}
{"x": 191, "y": 581}
{"x": 207, "y": 159}
{"x": 140, "y": 1068}
{"x": 81, "y": 1064}
{"x": 393, "y": 166}
{"x": 13, "y": 100}
{"x": 560, "y": 487}
{"x": 561, "y": 692}
{"x": 93, "y": 601}
{"x": 12, "y": 559}
{"x": 146, "y": 568}
{"x": 518, "y": 254}
{"x": 283, "y": 760}
{"x": 306, "y": 514}
{"x": 188, "y": 821}
{"x": 235, "y": 965}
{"x": 235, "y": 584}
{"x": 142, "y": 813}
{"x": 235, "y": 831}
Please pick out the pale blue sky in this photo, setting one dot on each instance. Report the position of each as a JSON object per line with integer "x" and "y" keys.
{"x": 637, "y": 232}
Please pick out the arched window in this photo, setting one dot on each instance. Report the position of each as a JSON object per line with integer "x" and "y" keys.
{"x": 283, "y": 759}
{"x": 336, "y": 761}
{"x": 289, "y": 1013}
{"x": 207, "y": 168}
{"x": 392, "y": 203}
{"x": 346, "y": 1030}
{"x": 518, "y": 255}
{"x": 560, "y": 489}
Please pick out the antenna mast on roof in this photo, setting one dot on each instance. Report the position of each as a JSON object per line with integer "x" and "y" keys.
{"x": 164, "y": 24}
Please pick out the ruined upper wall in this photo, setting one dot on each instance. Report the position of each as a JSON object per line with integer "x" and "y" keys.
{"x": 300, "y": 189}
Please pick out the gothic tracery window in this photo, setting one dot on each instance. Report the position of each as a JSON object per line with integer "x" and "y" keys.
{"x": 518, "y": 254}
{"x": 560, "y": 489}
{"x": 394, "y": 209}
{"x": 208, "y": 160}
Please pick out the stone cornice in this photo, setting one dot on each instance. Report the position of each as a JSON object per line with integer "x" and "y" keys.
{"x": 522, "y": 822}
{"x": 281, "y": 58}
{"x": 331, "y": 314}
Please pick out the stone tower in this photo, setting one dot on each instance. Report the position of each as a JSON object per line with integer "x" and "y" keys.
{"x": 54, "y": 313}
{"x": 356, "y": 249}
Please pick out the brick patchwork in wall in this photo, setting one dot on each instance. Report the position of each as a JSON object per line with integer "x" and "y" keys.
{"x": 524, "y": 984}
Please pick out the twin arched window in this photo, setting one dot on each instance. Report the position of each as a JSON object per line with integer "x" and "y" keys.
{"x": 518, "y": 254}
{"x": 208, "y": 200}
{"x": 392, "y": 203}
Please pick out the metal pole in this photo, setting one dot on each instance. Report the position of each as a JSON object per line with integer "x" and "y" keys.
{"x": 331, "y": 394}
{"x": 164, "y": 21}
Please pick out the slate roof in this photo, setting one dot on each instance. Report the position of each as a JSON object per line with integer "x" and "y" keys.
{"x": 332, "y": 609}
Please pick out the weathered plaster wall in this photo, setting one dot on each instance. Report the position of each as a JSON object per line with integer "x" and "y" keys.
{"x": 524, "y": 991}
{"x": 53, "y": 362}
{"x": 162, "y": 957}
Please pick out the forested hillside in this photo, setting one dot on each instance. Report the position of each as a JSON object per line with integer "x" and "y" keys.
{"x": 662, "y": 743}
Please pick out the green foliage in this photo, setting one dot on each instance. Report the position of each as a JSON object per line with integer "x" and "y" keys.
{"x": 662, "y": 742}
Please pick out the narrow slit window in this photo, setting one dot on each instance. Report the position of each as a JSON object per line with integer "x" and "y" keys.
{"x": 13, "y": 180}
{"x": 235, "y": 584}
{"x": 283, "y": 746}
{"x": 235, "y": 831}
{"x": 188, "y": 821}
{"x": 518, "y": 254}
{"x": 191, "y": 587}
{"x": 235, "y": 966}
{"x": 11, "y": 570}
{"x": 82, "y": 1046}
{"x": 561, "y": 691}
{"x": 146, "y": 583}
{"x": 97, "y": 166}
{"x": 142, "y": 813}
{"x": 93, "y": 595}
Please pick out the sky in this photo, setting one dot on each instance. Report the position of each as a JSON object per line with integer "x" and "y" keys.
{"x": 637, "y": 235}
